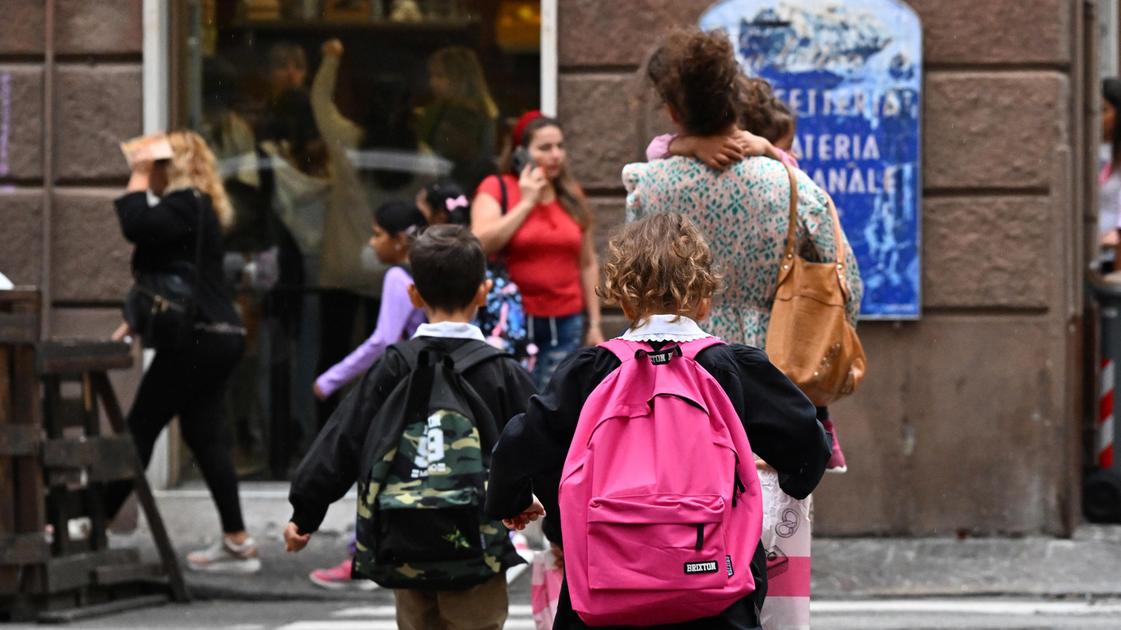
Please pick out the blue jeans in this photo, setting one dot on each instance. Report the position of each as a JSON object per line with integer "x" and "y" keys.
{"x": 555, "y": 338}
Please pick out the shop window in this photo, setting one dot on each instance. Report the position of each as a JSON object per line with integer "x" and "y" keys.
{"x": 319, "y": 112}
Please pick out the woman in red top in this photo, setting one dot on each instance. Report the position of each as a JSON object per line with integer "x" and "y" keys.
{"x": 545, "y": 233}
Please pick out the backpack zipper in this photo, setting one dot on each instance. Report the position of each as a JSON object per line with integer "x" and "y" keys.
{"x": 737, "y": 488}
{"x": 700, "y": 536}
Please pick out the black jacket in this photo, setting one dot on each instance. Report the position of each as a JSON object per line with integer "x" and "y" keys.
{"x": 780, "y": 421}
{"x": 332, "y": 464}
{"x": 165, "y": 233}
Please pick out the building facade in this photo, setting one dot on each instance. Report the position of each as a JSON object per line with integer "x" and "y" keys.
{"x": 971, "y": 419}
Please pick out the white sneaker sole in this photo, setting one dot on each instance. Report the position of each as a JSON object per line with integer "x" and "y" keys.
{"x": 236, "y": 567}
{"x": 359, "y": 584}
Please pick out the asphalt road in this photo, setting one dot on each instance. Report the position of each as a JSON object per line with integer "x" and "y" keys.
{"x": 899, "y": 614}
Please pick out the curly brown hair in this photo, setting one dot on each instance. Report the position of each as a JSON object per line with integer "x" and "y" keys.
{"x": 761, "y": 112}
{"x": 695, "y": 73}
{"x": 659, "y": 265}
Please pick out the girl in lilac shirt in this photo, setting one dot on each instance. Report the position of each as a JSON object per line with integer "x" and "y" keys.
{"x": 396, "y": 225}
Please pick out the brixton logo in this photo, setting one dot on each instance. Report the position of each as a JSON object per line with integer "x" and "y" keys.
{"x": 707, "y": 566}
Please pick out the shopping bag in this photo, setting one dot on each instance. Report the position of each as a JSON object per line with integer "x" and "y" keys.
{"x": 787, "y": 528}
{"x": 545, "y": 588}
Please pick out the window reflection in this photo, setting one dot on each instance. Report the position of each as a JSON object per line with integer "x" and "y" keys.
{"x": 319, "y": 112}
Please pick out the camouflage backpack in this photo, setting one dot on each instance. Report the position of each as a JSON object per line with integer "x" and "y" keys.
{"x": 420, "y": 507}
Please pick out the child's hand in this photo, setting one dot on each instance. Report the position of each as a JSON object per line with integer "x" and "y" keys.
{"x": 754, "y": 145}
{"x": 528, "y": 515}
{"x": 293, "y": 539}
{"x": 318, "y": 391}
{"x": 718, "y": 152}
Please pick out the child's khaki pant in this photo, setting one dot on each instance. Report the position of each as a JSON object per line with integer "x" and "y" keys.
{"x": 483, "y": 607}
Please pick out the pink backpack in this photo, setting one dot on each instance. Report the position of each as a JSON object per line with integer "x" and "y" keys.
{"x": 661, "y": 508}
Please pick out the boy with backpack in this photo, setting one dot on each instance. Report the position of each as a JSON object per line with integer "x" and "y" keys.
{"x": 641, "y": 447}
{"x": 417, "y": 434}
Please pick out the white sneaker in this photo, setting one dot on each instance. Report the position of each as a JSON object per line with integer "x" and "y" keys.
{"x": 226, "y": 557}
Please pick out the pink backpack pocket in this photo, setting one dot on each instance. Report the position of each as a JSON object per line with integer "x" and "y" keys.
{"x": 659, "y": 498}
{"x": 670, "y": 531}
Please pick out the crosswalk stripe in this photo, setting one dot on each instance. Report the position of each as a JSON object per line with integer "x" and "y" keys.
{"x": 382, "y": 624}
{"x": 519, "y": 622}
{"x": 384, "y": 618}
{"x": 973, "y": 607}
{"x": 515, "y": 610}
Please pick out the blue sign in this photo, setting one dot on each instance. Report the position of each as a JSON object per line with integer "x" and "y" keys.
{"x": 851, "y": 72}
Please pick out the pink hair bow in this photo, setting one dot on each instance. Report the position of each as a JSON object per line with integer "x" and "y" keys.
{"x": 458, "y": 202}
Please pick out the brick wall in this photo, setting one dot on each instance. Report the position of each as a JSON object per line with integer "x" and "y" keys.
{"x": 967, "y": 421}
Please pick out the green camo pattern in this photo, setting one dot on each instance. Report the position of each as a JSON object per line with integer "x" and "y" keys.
{"x": 437, "y": 465}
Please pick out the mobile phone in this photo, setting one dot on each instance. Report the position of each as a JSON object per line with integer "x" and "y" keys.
{"x": 520, "y": 160}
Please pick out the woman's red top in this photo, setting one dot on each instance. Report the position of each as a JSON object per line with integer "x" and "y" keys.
{"x": 543, "y": 257}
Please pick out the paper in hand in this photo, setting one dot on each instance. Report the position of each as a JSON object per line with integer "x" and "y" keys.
{"x": 151, "y": 147}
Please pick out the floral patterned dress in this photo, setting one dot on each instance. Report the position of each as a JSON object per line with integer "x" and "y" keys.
{"x": 744, "y": 213}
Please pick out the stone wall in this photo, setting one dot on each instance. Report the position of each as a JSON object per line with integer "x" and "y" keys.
{"x": 72, "y": 246}
{"x": 96, "y": 103}
{"x": 967, "y": 422}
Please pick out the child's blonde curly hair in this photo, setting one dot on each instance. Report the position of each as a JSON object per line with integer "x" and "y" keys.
{"x": 659, "y": 265}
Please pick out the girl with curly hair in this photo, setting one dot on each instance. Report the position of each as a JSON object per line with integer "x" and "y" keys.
{"x": 661, "y": 272}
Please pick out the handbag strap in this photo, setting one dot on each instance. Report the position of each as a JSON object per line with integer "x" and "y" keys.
{"x": 193, "y": 308}
{"x": 504, "y": 203}
{"x": 788, "y": 254}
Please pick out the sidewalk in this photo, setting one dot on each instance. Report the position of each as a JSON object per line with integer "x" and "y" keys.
{"x": 1089, "y": 565}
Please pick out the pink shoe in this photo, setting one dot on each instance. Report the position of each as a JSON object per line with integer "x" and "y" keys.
{"x": 837, "y": 458}
{"x": 338, "y": 578}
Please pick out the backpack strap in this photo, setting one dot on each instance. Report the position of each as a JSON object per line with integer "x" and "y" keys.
{"x": 408, "y": 352}
{"x": 469, "y": 355}
{"x": 624, "y": 350}
{"x": 691, "y": 349}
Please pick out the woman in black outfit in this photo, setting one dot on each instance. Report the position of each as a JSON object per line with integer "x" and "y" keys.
{"x": 188, "y": 381}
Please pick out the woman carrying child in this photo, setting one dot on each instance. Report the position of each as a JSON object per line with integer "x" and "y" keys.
{"x": 744, "y": 211}
{"x": 660, "y": 272}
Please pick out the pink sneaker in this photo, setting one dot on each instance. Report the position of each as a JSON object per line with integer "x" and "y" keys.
{"x": 338, "y": 578}
{"x": 837, "y": 458}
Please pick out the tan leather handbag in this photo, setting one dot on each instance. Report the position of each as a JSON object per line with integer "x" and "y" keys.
{"x": 809, "y": 337}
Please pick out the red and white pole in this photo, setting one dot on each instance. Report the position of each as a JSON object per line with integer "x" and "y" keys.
{"x": 1104, "y": 450}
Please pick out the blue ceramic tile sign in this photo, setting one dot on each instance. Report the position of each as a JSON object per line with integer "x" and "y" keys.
{"x": 851, "y": 71}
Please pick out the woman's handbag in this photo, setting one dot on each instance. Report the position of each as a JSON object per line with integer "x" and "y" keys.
{"x": 160, "y": 306}
{"x": 809, "y": 338}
